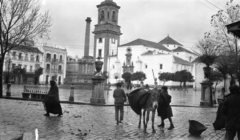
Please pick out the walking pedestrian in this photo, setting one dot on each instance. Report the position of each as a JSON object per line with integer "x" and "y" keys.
{"x": 119, "y": 97}
{"x": 231, "y": 108}
{"x": 164, "y": 110}
{"x": 51, "y": 102}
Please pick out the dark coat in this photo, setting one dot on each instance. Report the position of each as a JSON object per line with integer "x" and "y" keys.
{"x": 164, "y": 109}
{"x": 51, "y": 102}
{"x": 231, "y": 108}
{"x": 119, "y": 96}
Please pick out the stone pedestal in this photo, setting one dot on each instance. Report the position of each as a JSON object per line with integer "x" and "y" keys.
{"x": 206, "y": 87}
{"x": 71, "y": 97}
{"x": 98, "y": 90}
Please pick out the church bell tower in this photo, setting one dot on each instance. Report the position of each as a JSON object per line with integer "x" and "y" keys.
{"x": 107, "y": 32}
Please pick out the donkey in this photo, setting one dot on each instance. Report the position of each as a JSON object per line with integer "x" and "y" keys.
{"x": 146, "y": 100}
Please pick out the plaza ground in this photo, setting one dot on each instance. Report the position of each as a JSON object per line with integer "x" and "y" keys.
{"x": 97, "y": 122}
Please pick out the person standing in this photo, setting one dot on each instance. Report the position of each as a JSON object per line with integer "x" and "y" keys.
{"x": 164, "y": 110}
{"x": 119, "y": 99}
{"x": 51, "y": 102}
{"x": 231, "y": 108}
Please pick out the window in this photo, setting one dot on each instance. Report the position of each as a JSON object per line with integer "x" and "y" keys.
{"x": 102, "y": 15}
{"x": 54, "y": 56}
{"x": 60, "y": 57}
{"x": 108, "y": 15}
{"x": 20, "y": 55}
{"x": 145, "y": 66}
{"x": 113, "y": 16}
{"x": 99, "y": 52}
{"x": 100, "y": 40}
{"x": 31, "y": 68}
{"x": 160, "y": 66}
{"x": 113, "y": 66}
{"x": 113, "y": 41}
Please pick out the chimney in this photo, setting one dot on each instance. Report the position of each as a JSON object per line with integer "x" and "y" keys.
{"x": 87, "y": 37}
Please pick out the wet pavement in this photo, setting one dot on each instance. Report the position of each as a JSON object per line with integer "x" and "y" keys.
{"x": 97, "y": 123}
{"x": 188, "y": 97}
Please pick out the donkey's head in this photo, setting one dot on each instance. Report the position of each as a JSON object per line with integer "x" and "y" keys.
{"x": 155, "y": 98}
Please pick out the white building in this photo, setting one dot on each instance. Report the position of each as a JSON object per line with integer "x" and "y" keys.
{"x": 24, "y": 56}
{"x": 53, "y": 64}
{"x": 166, "y": 56}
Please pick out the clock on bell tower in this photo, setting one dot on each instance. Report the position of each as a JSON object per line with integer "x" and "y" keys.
{"x": 107, "y": 32}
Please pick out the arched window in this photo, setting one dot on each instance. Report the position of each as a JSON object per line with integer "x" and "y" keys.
{"x": 54, "y": 56}
{"x": 102, "y": 15}
{"x": 59, "y": 67}
{"x": 37, "y": 58}
{"x": 48, "y": 66}
{"x": 114, "y": 16}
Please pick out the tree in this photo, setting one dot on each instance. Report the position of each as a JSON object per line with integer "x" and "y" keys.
{"x": 18, "y": 72}
{"x": 228, "y": 43}
{"x": 206, "y": 51}
{"x": 183, "y": 76}
{"x": 216, "y": 77}
{"x": 140, "y": 76}
{"x": 38, "y": 72}
{"x": 20, "y": 20}
{"x": 127, "y": 76}
{"x": 165, "y": 76}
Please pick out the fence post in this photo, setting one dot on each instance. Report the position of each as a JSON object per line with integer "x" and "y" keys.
{"x": 71, "y": 98}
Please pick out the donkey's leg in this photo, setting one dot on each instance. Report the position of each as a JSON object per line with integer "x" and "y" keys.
{"x": 140, "y": 119}
{"x": 153, "y": 117}
{"x": 147, "y": 119}
{"x": 144, "y": 122}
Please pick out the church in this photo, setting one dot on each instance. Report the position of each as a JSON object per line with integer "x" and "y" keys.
{"x": 138, "y": 55}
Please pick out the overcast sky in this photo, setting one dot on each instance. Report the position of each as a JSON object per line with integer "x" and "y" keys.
{"x": 186, "y": 21}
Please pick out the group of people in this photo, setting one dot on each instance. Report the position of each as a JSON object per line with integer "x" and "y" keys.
{"x": 164, "y": 110}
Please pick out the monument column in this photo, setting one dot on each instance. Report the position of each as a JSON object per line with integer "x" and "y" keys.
{"x": 87, "y": 37}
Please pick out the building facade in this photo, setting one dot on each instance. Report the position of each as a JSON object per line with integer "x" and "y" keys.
{"x": 54, "y": 64}
{"x": 27, "y": 57}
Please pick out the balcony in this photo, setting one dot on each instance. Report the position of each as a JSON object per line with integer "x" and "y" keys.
{"x": 61, "y": 61}
{"x": 60, "y": 71}
{"x": 55, "y": 61}
{"x": 48, "y": 59}
{"x": 54, "y": 70}
{"x": 32, "y": 59}
{"x": 47, "y": 70}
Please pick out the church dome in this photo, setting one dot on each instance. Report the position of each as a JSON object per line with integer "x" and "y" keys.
{"x": 108, "y": 2}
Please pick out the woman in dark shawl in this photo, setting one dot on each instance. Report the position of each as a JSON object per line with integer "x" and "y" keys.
{"x": 51, "y": 102}
{"x": 164, "y": 110}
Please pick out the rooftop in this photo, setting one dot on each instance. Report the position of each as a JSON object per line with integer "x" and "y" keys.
{"x": 170, "y": 41}
{"x": 146, "y": 43}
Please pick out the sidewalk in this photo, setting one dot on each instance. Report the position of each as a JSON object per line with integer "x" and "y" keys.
{"x": 97, "y": 123}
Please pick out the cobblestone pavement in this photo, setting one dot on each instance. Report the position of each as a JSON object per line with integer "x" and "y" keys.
{"x": 97, "y": 123}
